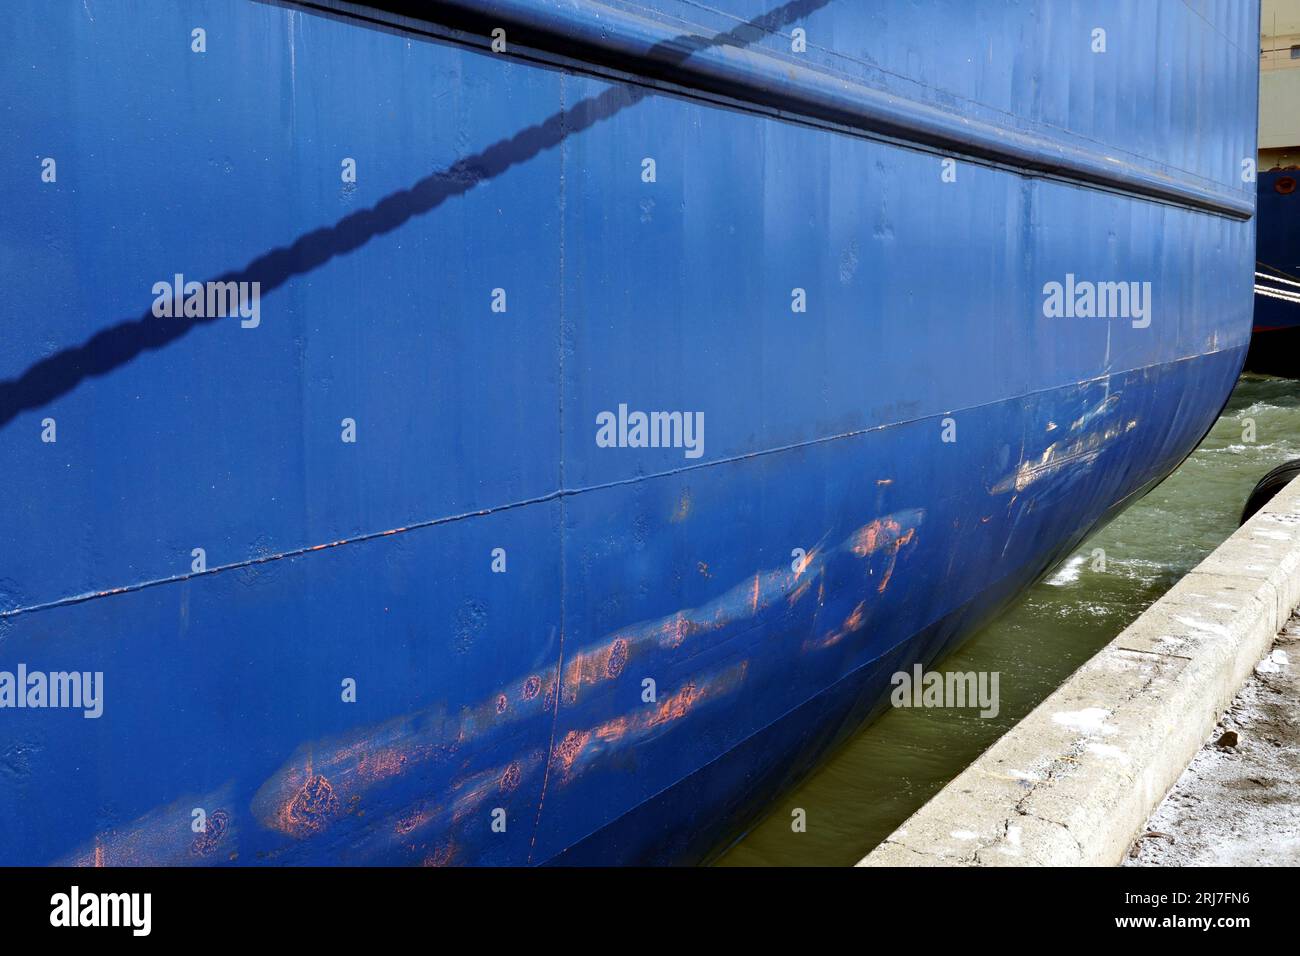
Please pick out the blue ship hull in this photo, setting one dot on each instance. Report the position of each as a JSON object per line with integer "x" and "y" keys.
{"x": 435, "y": 643}
{"x": 1275, "y": 342}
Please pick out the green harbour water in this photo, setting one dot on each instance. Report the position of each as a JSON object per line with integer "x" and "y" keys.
{"x": 890, "y": 768}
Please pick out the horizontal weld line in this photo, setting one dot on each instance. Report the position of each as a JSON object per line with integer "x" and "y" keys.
{"x": 569, "y": 492}
{"x": 556, "y": 54}
{"x": 965, "y": 101}
{"x": 592, "y": 31}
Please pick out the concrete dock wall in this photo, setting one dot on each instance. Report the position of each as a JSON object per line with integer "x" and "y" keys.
{"x": 1072, "y": 783}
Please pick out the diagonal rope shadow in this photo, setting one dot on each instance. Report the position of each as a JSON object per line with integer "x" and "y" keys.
{"x": 115, "y": 346}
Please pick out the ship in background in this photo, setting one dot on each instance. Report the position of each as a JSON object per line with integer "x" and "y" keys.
{"x": 1275, "y": 342}
{"x": 362, "y": 582}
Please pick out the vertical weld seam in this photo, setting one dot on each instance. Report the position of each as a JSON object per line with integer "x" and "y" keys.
{"x": 560, "y": 337}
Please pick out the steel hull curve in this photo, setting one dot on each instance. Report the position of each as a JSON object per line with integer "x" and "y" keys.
{"x": 828, "y": 534}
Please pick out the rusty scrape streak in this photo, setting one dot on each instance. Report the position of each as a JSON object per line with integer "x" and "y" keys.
{"x": 675, "y": 631}
{"x": 310, "y": 799}
{"x": 675, "y": 707}
{"x": 372, "y": 755}
{"x": 589, "y": 667}
{"x": 381, "y": 765}
{"x": 567, "y": 750}
{"x": 471, "y": 794}
{"x": 215, "y": 827}
{"x": 531, "y": 688}
{"x": 409, "y": 825}
{"x": 442, "y": 856}
{"x": 411, "y": 821}
{"x": 311, "y": 809}
{"x": 162, "y": 836}
{"x": 797, "y": 594}
{"x": 508, "y": 782}
{"x": 886, "y": 536}
{"x": 875, "y": 535}
{"x": 854, "y": 620}
{"x": 899, "y": 543}
{"x": 743, "y": 601}
{"x": 501, "y": 781}
{"x": 683, "y": 507}
{"x": 851, "y": 624}
{"x": 580, "y": 747}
